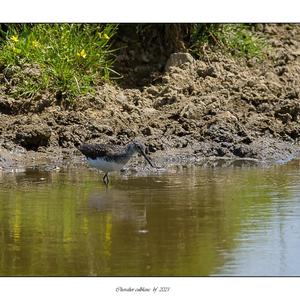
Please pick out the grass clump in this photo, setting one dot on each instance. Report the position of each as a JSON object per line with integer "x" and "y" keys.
{"x": 67, "y": 59}
{"x": 240, "y": 40}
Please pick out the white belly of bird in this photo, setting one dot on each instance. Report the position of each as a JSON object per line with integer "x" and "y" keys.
{"x": 104, "y": 165}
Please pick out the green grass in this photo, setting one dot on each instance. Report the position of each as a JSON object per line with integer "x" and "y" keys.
{"x": 240, "y": 40}
{"x": 71, "y": 59}
{"x": 68, "y": 59}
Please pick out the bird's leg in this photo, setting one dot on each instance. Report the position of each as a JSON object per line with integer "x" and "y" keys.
{"x": 105, "y": 179}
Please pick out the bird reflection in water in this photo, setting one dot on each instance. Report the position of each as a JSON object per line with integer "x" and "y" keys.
{"x": 118, "y": 203}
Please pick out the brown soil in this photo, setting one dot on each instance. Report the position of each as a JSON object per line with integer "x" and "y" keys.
{"x": 217, "y": 106}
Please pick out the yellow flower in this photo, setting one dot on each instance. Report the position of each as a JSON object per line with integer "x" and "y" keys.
{"x": 35, "y": 44}
{"x": 82, "y": 53}
{"x": 105, "y": 36}
{"x": 14, "y": 38}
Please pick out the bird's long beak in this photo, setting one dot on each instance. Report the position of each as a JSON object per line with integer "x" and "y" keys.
{"x": 147, "y": 158}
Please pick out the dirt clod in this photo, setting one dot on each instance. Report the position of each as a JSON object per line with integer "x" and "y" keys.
{"x": 32, "y": 137}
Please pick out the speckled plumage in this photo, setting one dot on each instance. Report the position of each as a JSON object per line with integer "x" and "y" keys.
{"x": 109, "y": 158}
{"x": 105, "y": 151}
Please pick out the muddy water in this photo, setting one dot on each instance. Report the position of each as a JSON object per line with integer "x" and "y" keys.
{"x": 233, "y": 220}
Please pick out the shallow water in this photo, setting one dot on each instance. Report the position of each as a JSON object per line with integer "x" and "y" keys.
{"x": 234, "y": 220}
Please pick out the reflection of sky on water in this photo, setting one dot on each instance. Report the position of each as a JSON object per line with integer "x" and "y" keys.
{"x": 273, "y": 250}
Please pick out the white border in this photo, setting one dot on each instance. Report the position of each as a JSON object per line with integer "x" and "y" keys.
{"x": 140, "y": 11}
{"x": 180, "y": 288}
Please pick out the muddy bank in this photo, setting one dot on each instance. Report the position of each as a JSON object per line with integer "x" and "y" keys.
{"x": 213, "y": 107}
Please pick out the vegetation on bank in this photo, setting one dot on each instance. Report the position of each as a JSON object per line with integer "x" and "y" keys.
{"x": 70, "y": 59}
{"x": 66, "y": 58}
{"x": 240, "y": 40}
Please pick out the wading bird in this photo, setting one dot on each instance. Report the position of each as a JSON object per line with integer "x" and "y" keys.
{"x": 109, "y": 158}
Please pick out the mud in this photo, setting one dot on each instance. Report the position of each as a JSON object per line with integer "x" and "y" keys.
{"x": 213, "y": 107}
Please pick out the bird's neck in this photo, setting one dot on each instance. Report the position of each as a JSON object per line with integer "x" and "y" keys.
{"x": 130, "y": 149}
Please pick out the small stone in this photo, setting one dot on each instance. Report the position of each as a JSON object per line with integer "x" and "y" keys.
{"x": 147, "y": 131}
{"x": 178, "y": 59}
{"x": 210, "y": 71}
{"x": 227, "y": 115}
{"x": 121, "y": 97}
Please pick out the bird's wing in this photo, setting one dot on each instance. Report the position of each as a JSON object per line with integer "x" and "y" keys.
{"x": 97, "y": 150}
